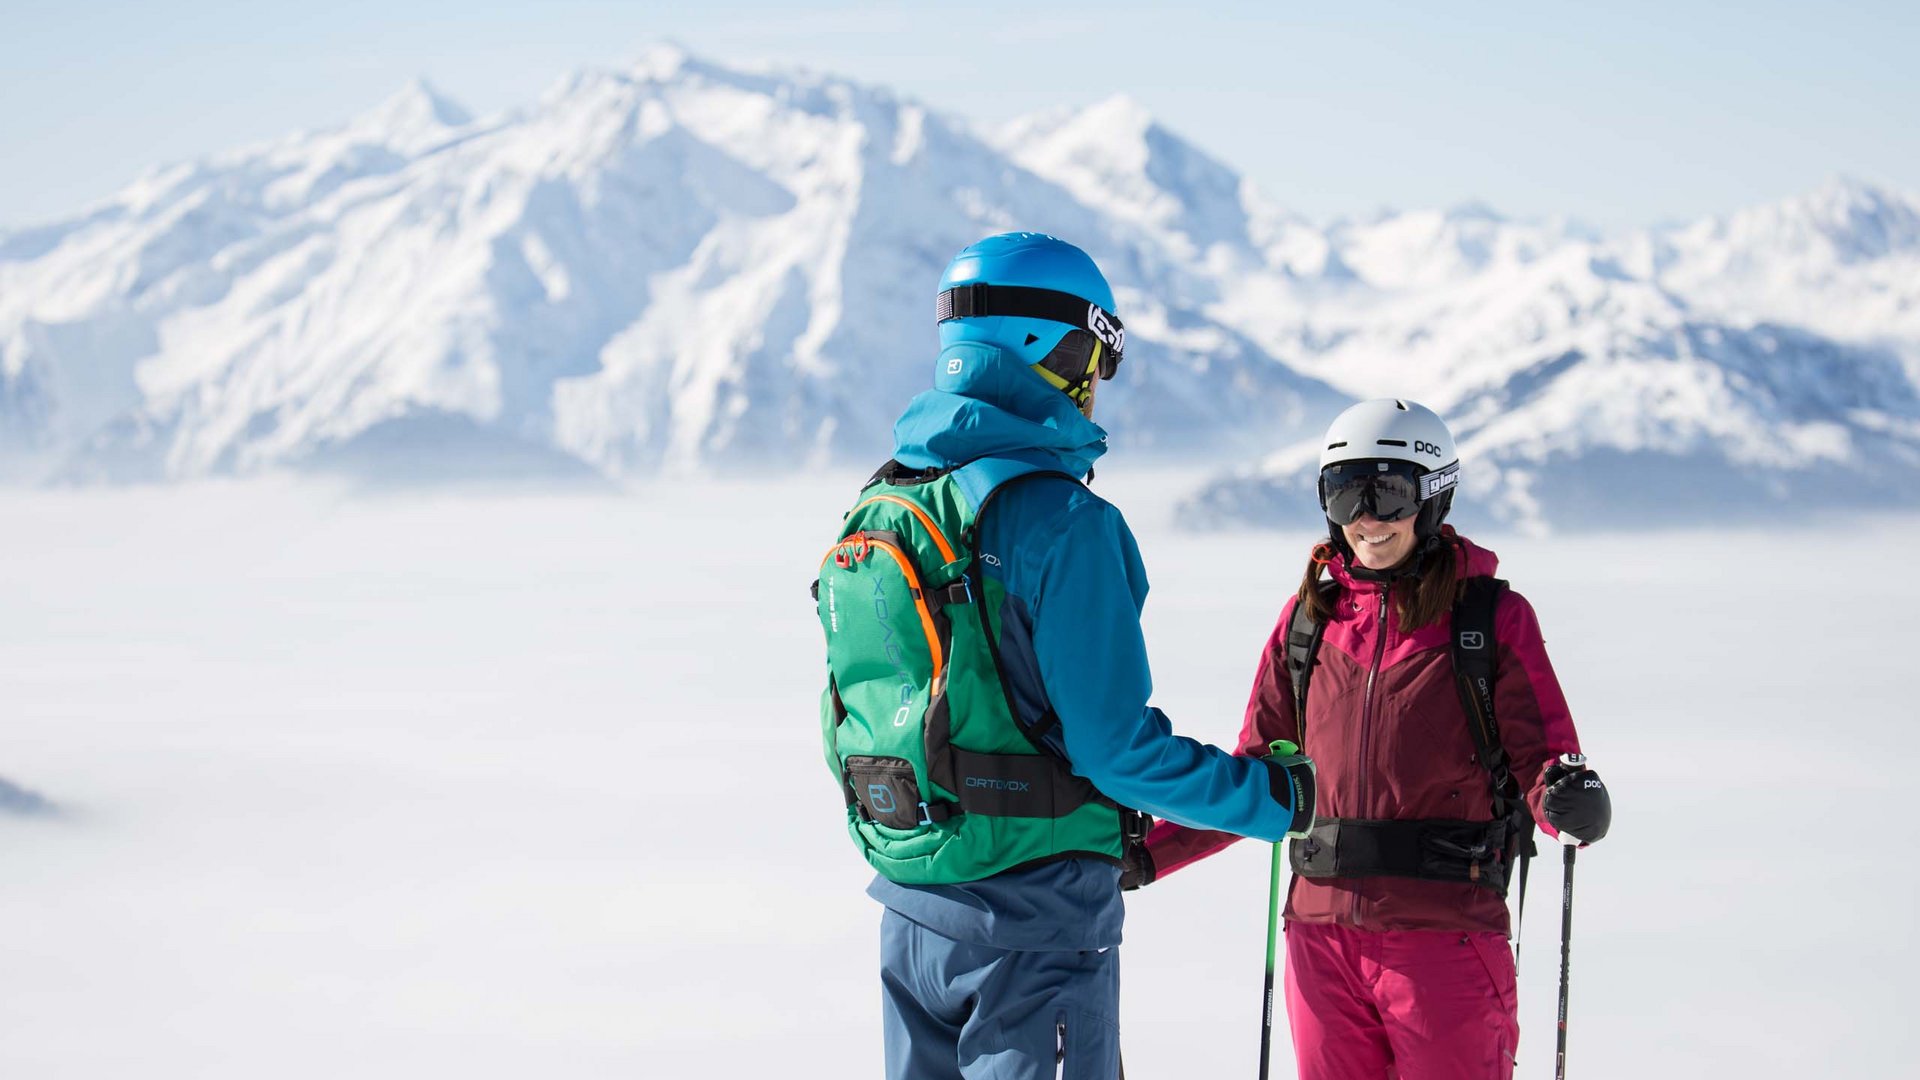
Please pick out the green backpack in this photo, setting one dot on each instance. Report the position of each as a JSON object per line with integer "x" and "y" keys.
{"x": 942, "y": 783}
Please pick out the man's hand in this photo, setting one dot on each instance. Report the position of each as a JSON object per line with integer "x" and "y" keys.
{"x": 1290, "y": 773}
{"x": 1577, "y": 803}
{"x": 1136, "y": 867}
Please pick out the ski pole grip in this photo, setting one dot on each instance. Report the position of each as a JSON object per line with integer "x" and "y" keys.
{"x": 1577, "y": 762}
{"x": 1292, "y": 780}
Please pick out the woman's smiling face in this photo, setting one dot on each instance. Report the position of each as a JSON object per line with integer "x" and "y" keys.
{"x": 1380, "y": 545}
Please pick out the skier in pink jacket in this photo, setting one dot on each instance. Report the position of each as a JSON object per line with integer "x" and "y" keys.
{"x": 1397, "y": 955}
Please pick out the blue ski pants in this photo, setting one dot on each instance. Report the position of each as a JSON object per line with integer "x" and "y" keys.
{"x": 958, "y": 1011}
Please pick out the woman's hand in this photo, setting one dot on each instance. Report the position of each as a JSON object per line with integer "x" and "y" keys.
{"x": 1577, "y": 803}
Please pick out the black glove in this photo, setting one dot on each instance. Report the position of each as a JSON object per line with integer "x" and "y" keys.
{"x": 1290, "y": 774}
{"x": 1577, "y": 803}
{"x": 1136, "y": 867}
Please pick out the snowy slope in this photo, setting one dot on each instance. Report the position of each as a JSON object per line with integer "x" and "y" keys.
{"x": 682, "y": 267}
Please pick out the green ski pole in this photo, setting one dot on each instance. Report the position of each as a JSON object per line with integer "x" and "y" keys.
{"x": 1273, "y": 935}
{"x": 1302, "y": 795}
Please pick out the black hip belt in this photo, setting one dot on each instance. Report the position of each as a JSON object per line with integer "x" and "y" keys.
{"x": 1429, "y": 849}
{"x": 885, "y": 790}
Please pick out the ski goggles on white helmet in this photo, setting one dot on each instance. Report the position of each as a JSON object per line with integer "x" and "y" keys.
{"x": 1387, "y": 489}
{"x": 1020, "y": 301}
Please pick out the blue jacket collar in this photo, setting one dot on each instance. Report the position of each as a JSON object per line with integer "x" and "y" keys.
{"x": 986, "y": 403}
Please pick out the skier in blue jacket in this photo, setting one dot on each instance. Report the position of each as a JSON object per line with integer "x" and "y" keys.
{"x": 1017, "y": 975}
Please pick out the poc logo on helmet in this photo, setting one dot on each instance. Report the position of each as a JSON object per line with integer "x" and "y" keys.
{"x": 1104, "y": 330}
{"x": 1426, "y": 448}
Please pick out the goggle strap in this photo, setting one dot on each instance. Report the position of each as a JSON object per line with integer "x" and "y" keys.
{"x": 1439, "y": 480}
{"x": 1057, "y": 381}
{"x": 1076, "y": 389}
{"x": 1022, "y": 301}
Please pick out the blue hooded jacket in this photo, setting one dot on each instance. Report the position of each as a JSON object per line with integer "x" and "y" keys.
{"x": 1071, "y": 639}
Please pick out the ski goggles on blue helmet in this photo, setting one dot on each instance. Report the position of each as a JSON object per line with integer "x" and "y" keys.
{"x": 1071, "y": 365}
{"x": 1387, "y": 489}
{"x": 1094, "y": 325}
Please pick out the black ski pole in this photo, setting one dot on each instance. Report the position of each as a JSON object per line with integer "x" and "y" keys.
{"x": 1520, "y": 923}
{"x": 1566, "y": 939}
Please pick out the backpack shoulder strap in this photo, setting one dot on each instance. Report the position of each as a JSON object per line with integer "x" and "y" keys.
{"x": 1303, "y": 647}
{"x": 1474, "y": 655}
{"x": 1473, "y": 669}
{"x": 1133, "y": 823}
{"x": 1015, "y": 481}
{"x": 991, "y": 487}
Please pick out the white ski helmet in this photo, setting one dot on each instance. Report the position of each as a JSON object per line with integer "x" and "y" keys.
{"x": 1395, "y": 430}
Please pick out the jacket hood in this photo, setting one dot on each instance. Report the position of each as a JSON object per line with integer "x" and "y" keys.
{"x": 1470, "y": 560}
{"x": 984, "y": 403}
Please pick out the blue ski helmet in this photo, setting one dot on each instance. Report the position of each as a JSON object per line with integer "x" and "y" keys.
{"x": 1038, "y": 298}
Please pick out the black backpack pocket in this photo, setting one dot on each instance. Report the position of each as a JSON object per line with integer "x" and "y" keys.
{"x": 885, "y": 790}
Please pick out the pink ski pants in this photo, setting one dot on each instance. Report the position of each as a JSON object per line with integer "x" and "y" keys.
{"x": 1400, "y": 1004}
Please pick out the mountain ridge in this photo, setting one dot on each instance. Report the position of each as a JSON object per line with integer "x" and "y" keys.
{"x": 679, "y": 266}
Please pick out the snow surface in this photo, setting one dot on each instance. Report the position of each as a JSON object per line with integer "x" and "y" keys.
{"x": 514, "y": 784}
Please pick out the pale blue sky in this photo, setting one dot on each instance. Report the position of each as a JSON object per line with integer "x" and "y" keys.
{"x": 1618, "y": 113}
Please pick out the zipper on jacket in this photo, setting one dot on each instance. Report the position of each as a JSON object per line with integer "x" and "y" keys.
{"x": 1366, "y": 725}
{"x": 1060, "y": 1046}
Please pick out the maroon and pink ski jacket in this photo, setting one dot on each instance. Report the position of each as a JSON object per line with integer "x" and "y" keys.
{"x": 1397, "y": 746}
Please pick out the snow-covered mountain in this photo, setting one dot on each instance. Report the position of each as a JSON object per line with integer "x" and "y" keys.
{"x": 671, "y": 266}
{"x": 1115, "y": 156}
{"x": 679, "y": 266}
{"x": 1713, "y": 371}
